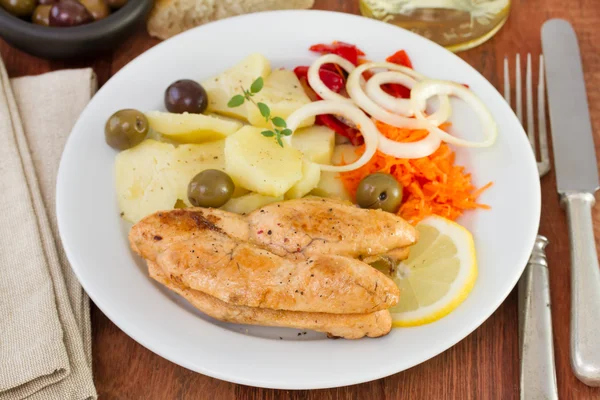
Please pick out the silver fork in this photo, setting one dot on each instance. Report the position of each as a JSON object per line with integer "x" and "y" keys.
{"x": 536, "y": 351}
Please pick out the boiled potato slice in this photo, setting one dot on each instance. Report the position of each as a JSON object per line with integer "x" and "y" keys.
{"x": 259, "y": 164}
{"x": 221, "y": 88}
{"x": 311, "y": 173}
{"x": 330, "y": 185}
{"x": 188, "y": 160}
{"x": 316, "y": 143}
{"x": 142, "y": 185}
{"x": 284, "y": 94}
{"x": 344, "y": 154}
{"x": 191, "y": 128}
{"x": 249, "y": 202}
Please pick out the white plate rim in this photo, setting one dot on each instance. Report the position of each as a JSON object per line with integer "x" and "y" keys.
{"x": 365, "y": 376}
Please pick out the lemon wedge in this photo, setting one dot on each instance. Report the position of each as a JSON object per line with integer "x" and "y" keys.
{"x": 437, "y": 276}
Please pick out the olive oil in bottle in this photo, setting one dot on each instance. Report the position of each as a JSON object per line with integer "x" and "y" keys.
{"x": 455, "y": 24}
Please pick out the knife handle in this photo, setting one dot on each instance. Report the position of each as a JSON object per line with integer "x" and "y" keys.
{"x": 538, "y": 374}
{"x": 585, "y": 288}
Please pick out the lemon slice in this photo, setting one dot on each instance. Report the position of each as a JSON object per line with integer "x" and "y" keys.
{"x": 437, "y": 276}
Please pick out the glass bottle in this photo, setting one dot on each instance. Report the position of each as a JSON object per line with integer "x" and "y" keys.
{"x": 455, "y": 24}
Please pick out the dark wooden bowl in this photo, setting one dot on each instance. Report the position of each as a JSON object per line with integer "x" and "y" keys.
{"x": 76, "y": 42}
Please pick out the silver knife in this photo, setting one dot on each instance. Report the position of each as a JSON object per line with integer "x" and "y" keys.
{"x": 577, "y": 180}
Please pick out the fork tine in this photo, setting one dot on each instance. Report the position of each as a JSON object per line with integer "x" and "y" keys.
{"x": 544, "y": 165}
{"x": 529, "y": 94}
{"x": 506, "y": 81}
{"x": 519, "y": 102}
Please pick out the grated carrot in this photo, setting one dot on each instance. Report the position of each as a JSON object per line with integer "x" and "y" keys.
{"x": 432, "y": 185}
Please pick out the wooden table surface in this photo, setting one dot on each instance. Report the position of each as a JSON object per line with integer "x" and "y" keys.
{"x": 482, "y": 366}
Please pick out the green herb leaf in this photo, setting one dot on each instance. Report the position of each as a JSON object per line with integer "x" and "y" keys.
{"x": 257, "y": 85}
{"x": 236, "y": 101}
{"x": 268, "y": 133}
{"x": 279, "y": 122}
{"x": 279, "y": 141}
{"x": 286, "y": 132}
{"x": 265, "y": 111}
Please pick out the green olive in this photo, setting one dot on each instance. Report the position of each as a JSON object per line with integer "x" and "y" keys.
{"x": 19, "y": 8}
{"x": 41, "y": 15}
{"x": 379, "y": 191}
{"x": 126, "y": 129}
{"x": 98, "y": 8}
{"x": 210, "y": 188}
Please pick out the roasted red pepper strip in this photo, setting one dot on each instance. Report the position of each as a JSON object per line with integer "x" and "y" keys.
{"x": 396, "y": 90}
{"x": 345, "y": 50}
{"x": 328, "y": 120}
{"x": 401, "y": 58}
{"x": 330, "y": 78}
{"x": 339, "y": 127}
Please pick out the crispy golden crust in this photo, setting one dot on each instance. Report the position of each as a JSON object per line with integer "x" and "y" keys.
{"x": 294, "y": 229}
{"x": 153, "y": 234}
{"x": 348, "y": 326}
{"x": 242, "y": 274}
{"x": 170, "y": 17}
{"x": 308, "y": 226}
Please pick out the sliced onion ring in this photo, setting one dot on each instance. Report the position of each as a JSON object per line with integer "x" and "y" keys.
{"x": 314, "y": 79}
{"x": 429, "y": 88}
{"x": 422, "y": 148}
{"x": 353, "y": 86}
{"x": 375, "y": 92}
{"x": 347, "y": 110}
{"x": 403, "y": 106}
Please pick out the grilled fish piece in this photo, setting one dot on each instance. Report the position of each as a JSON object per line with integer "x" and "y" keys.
{"x": 295, "y": 229}
{"x": 303, "y": 227}
{"x": 242, "y": 274}
{"x": 348, "y": 326}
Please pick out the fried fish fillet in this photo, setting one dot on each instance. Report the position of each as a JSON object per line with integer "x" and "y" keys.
{"x": 348, "y": 326}
{"x": 153, "y": 234}
{"x": 290, "y": 264}
{"x": 308, "y": 226}
{"x": 242, "y": 274}
{"x": 295, "y": 229}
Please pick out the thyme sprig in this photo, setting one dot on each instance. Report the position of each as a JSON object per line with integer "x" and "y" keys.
{"x": 279, "y": 125}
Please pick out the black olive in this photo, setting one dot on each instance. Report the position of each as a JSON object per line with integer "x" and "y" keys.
{"x": 69, "y": 13}
{"x": 186, "y": 95}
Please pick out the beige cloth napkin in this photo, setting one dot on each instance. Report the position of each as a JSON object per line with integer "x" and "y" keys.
{"x": 45, "y": 333}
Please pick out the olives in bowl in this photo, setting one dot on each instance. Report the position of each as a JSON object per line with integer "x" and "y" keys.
{"x": 61, "y": 13}
{"x": 33, "y": 34}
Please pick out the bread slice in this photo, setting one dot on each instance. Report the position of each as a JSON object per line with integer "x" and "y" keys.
{"x": 170, "y": 17}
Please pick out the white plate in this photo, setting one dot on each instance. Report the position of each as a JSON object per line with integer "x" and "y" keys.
{"x": 95, "y": 238}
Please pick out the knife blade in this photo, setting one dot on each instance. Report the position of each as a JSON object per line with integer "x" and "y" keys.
{"x": 574, "y": 153}
{"x": 577, "y": 180}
